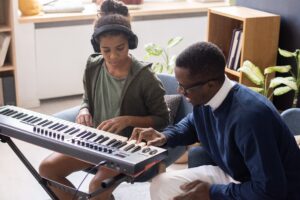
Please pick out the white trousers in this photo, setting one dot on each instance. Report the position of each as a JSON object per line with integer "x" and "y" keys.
{"x": 166, "y": 185}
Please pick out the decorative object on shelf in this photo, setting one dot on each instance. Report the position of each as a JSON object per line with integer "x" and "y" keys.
{"x": 63, "y": 6}
{"x": 276, "y": 86}
{"x": 4, "y": 44}
{"x": 29, "y": 7}
{"x": 134, "y": 2}
{"x": 155, "y": 50}
{"x": 296, "y": 75}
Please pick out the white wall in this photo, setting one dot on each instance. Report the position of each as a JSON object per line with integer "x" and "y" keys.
{"x": 51, "y": 60}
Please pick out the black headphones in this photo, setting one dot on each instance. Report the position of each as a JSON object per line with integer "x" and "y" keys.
{"x": 132, "y": 38}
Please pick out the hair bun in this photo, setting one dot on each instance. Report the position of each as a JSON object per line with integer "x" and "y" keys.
{"x": 113, "y": 7}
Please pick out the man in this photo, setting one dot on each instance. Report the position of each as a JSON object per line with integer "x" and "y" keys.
{"x": 256, "y": 155}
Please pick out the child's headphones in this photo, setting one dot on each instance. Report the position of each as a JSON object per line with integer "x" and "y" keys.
{"x": 132, "y": 38}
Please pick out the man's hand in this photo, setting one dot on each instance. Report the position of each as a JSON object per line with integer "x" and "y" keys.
{"x": 84, "y": 117}
{"x": 115, "y": 125}
{"x": 194, "y": 190}
{"x": 151, "y": 136}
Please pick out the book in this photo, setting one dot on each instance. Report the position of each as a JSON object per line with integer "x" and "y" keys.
{"x": 9, "y": 92}
{"x": 235, "y": 49}
{"x": 4, "y": 44}
{"x": 237, "y": 54}
{"x": 1, "y": 93}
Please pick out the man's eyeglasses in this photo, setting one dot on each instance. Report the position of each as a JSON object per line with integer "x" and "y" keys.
{"x": 187, "y": 90}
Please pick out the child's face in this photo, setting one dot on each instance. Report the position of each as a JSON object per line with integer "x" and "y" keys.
{"x": 114, "y": 49}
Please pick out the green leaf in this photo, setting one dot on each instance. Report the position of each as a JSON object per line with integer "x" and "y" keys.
{"x": 153, "y": 49}
{"x": 283, "y": 80}
{"x": 174, "y": 41}
{"x": 252, "y": 72}
{"x": 282, "y": 90}
{"x": 280, "y": 69}
{"x": 286, "y": 53}
{"x": 257, "y": 89}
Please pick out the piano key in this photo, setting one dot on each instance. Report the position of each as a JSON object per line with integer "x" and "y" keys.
{"x": 71, "y": 129}
{"x": 52, "y": 126}
{"x": 98, "y": 138}
{"x": 85, "y": 135}
{"x": 75, "y": 131}
{"x": 28, "y": 118}
{"x": 117, "y": 143}
{"x": 103, "y": 139}
{"x": 47, "y": 123}
{"x": 37, "y": 120}
{"x": 17, "y": 115}
{"x": 91, "y": 136}
{"x": 138, "y": 147}
{"x": 129, "y": 147}
{"x": 42, "y": 122}
{"x": 111, "y": 142}
{"x": 121, "y": 145}
{"x": 4, "y": 111}
{"x": 11, "y": 113}
{"x": 30, "y": 121}
{"x": 22, "y": 116}
{"x": 63, "y": 128}
{"x": 81, "y": 134}
{"x": 57, "y": 127}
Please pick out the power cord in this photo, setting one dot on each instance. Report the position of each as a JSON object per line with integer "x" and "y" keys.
{"x": 95, "y": 167}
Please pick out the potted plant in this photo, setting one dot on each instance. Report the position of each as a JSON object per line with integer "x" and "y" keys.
{"x": 276, "y": 86}
{"x": 168, "y": 62}
{"x": 296, "y": 75}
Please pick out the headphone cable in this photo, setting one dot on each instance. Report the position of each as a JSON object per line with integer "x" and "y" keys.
{"x": 91, "y": 169}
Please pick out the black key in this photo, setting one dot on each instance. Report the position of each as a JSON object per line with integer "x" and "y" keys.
{"x": 59, "y": 126}
{"x": 28, "y": 118}
{"x": 4, "y": 111}
{"x": 21, "y": 116}
{"x": 71, "y": 129}
{"x": 11, "y": 113}
{"x": 111, "y": 142}
{"x": 91, "y": 136}
{"x": 82, "y": 133}
{"x": 32, "y": 119}
{"x": 52, "y": 126}
{"x": 37, "y": 120}
{"x": 48, "y": 123}
{"x": 129, "y": 147}
{"x": 117, "y": 143}
{"x": 121, "y": 145}
{"x": 42, "y": 122}
{"x": 17, "y": 115}
{"x": 63, "y": 128}
{"x": 98, "y": 138}
{"x": 135, "y": 149}
{"x": 87, "y": 134}
{"x": 75, "y": 131}
{"x": 103, "y": 140}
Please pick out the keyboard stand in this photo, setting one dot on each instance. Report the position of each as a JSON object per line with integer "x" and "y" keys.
{"x": 45, "y": 183}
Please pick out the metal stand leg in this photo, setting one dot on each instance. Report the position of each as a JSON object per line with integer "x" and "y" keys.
{"x": 36, "y": 175}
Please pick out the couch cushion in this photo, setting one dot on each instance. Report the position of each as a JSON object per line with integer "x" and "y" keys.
{"x": 173, "y": 101}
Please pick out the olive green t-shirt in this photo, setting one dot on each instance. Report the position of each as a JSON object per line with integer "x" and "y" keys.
{"x": 108, "y": 93}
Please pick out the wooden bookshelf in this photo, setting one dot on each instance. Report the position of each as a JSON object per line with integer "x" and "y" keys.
{"x": 8, "y": 70}
{"x": 259, "y": 39}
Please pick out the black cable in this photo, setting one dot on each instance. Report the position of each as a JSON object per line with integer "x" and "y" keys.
{"x": 94, "y": 167}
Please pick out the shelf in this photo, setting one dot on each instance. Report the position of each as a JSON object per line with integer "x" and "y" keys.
{"x": 259, "y": 39}
{"x": 7, "y": 68}
{"x": 4, "y": 28}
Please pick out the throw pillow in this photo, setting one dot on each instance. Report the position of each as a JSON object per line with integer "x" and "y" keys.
{"x": 173, "y": 101}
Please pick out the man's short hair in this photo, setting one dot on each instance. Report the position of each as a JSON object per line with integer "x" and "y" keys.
{"x": 202, "y": 58}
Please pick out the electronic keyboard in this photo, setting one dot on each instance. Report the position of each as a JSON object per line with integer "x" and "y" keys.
{"x": 79, "y": 141}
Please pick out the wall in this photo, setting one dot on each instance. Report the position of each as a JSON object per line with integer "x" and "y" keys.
{"x": 289, "y": 32}
{"x": 50, "y": 59}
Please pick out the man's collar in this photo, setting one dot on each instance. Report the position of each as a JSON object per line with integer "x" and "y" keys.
{"x": 219, "y": 97}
